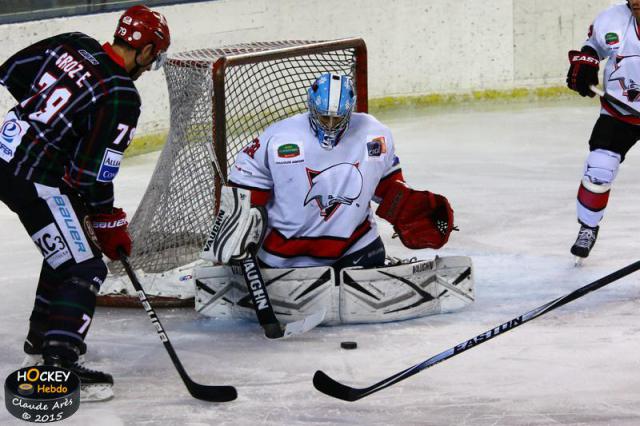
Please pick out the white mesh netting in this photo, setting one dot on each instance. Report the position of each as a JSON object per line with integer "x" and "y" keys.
{"x": 262, "y": 83}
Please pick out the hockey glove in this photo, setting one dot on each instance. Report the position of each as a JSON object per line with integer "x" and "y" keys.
{"x": 583, "y": 71}
{"x": 422, "y": 219}
{"x": 111, "y": 232}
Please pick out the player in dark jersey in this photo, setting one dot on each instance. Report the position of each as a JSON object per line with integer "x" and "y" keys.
{"x": 60, "y": 149}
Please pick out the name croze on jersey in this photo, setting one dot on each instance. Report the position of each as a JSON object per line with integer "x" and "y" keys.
{"x": 77, "y": 112}
{"x": 615, "y": 35}
{"x": 319, "y": 200}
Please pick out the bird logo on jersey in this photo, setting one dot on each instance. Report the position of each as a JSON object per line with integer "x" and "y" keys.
{"x": 334, "y": 186}
{"x": 627, "y": 66}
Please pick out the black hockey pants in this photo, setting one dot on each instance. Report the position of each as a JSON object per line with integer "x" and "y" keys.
{"x": 72, "y": 271}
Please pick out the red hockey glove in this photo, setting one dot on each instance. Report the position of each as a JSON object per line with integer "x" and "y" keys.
{"x": 422, "y": 219}
{"x": 111, "y": 232}
{"x": 583, "y": 71}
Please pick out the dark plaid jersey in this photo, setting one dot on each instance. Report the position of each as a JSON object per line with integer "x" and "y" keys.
{"x": 76, "y": 114}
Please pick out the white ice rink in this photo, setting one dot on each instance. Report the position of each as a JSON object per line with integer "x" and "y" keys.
{"x": 511, "y": 173}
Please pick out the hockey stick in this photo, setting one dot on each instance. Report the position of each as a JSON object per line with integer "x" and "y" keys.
{"x": 257, "y": 288}
{"x": 331, "y": 387}
{"x": 203, "y": 392}
{"x": 631, "y": 110}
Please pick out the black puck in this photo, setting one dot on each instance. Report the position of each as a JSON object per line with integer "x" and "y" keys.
{"x": 348, "y": 345}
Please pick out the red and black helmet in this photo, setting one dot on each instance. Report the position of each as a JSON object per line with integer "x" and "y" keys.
{"x": 139, "y": 26}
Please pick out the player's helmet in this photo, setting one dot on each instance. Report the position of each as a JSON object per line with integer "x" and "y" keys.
{"x": 331, "y": 101}
{"x": 139, "y": 26}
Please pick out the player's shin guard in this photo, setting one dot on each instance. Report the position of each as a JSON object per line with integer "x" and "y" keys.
{"x": 600, "y": 171}
{"x": 71, "y": 310}
{"x": 47, "y": 284}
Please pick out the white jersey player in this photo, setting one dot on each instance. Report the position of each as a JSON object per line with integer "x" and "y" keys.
{"x": 614, "y": 36}
{"x": 316, "y": 174}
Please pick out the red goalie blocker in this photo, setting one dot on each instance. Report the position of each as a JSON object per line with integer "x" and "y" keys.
{"x": 422, "y": 219}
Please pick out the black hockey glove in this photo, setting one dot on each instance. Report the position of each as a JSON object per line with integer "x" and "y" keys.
{"x": 583, "y": 71}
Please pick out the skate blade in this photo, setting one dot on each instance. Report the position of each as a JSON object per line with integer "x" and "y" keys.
{"x": 95, "y": 392}
{"x": 32, "y": 361}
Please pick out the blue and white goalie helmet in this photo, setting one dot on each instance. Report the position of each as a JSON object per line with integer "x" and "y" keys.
{"x": 331, "y": 100}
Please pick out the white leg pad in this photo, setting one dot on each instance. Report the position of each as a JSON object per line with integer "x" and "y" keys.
{"x": 392, "y": 293}
{"x": 406, "y": 291}
{"x": 295, "y": 293}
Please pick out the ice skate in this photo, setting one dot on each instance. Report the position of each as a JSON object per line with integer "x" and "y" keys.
{"x": 94, "y": 385}
{"x": 584, "y": 243}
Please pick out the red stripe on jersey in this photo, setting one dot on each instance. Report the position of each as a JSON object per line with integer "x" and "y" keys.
{"x": 591, "y": 200}
{"x": 321, "y": 247}
{"x": 614, "y": 113}
{"x": 385, "y": 183}
{"x": 259, "y": 196}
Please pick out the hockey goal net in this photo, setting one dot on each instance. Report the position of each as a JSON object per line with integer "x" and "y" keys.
{"x": 220, "y": 100}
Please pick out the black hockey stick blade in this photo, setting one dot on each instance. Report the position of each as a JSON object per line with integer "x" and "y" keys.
{"x": 209, "y": 393}
{"x": 331, "y": 387}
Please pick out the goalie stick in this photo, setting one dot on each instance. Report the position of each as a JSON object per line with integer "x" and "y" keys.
{"x": 203, "y": 392}
{"x": 257, "y": 288}
{"x": 331, "y": 387}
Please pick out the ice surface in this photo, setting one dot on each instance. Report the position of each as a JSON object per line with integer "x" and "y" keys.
{"x": 511, "y": 173}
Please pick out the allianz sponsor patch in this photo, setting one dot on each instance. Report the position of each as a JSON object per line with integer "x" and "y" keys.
{"x": 110, "y": 165}
{"x": 289, "y": 153}
{"x": 52, "y": 245}
{"x": 11, "y": 134}
{"x": 376, "y": 147}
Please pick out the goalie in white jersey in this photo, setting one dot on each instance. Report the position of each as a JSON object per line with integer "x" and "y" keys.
{"x": 303, "y": 193}
{"x": 316, "y": 174}
{"x": 614, "y": 36}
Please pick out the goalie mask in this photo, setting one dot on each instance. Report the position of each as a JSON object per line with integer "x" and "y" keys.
{"x": 331, "y": 100}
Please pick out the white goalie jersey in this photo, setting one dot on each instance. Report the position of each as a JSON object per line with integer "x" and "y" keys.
{"x": 319, "y": 200}
{"x": 615, "y": 36}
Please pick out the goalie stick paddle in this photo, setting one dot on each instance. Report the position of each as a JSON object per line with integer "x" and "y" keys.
{"x": 263, "y": 307}
{"x": 203, "y": 392}
{"x": 331, "y": 387}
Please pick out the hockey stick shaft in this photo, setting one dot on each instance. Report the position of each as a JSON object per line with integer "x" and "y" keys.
{"x": 331, "y": 387}
{"x": 631, "y": 110}
{"x": 203, "y": 392}
{"x": 259, "y": 296}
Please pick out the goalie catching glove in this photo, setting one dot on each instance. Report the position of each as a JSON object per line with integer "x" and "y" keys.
{"x": 237, "y": 228}
{"x": 421, "y": 219}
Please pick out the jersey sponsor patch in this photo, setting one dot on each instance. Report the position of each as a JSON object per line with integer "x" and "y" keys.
{"x": 289, "y": 153}
{"x": 11, "y": 134}
{"x": 376, "y": 148}
{"x": 611, "y": 38}
{"x": 110, "y": 165}
{"x": 52, "y": 245}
